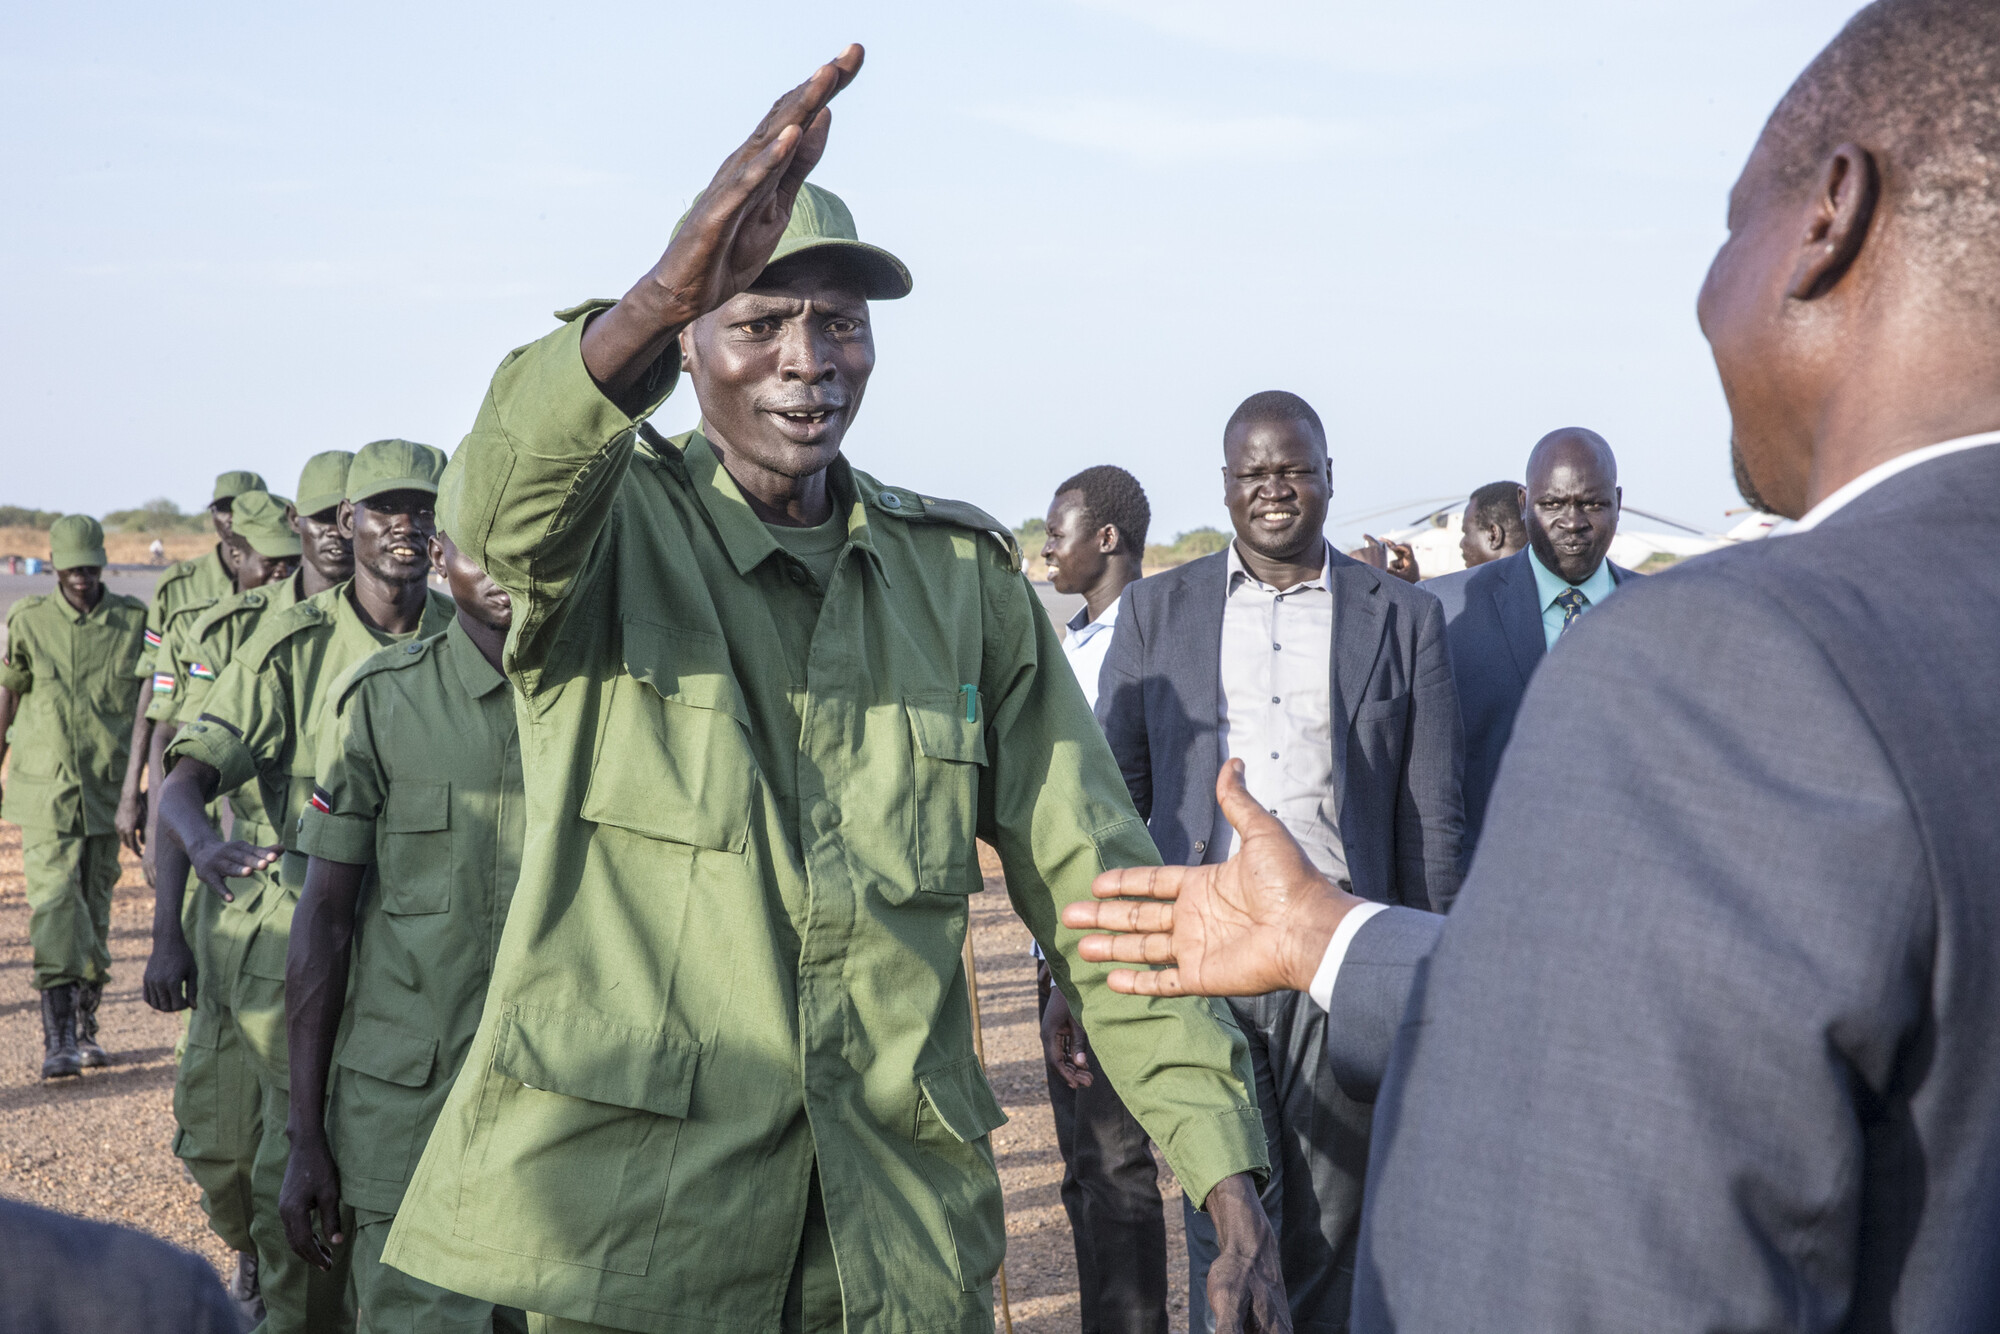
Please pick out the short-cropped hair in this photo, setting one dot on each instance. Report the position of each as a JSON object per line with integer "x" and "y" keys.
{"x": 1112, "y": 495}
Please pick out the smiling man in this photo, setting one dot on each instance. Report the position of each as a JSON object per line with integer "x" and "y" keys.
{"x": 260, "y": 727}
{"x": 725, "y": 1076}
{"x": 1330, "y": 679}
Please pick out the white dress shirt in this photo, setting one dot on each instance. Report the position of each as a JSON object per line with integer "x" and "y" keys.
{"x": 1328, "y": 973}
{"x": 1275, "y": 710}
{"x": 1087, "y": 643}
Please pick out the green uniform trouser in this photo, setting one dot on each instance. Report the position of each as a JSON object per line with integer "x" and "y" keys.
{"x": 812, "y": 1301}
{"x": 298, "y": 1299}
{"x": 388, "y": 1301}
{"x": 70, "y": 878}
{"x": 218, "y": 1103}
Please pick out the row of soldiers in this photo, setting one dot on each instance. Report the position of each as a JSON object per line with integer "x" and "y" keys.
{"x": 296, "y": 710}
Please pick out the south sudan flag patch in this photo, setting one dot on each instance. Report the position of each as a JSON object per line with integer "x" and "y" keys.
{"x": 201, "y": 671}
{"x": 152, "y": 639}
{"x": 322, "y": 801}
{"x": 163, "y": 683}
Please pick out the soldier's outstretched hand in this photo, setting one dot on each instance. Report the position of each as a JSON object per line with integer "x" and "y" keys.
{"x": 729, "y": 233}
{"x": 1258, "y": 922}
{"x": 221, "y": 862}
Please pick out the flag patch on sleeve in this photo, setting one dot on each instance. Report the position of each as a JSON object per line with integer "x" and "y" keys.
{"x": 201, "y": 671}
{"x": 152, "y": 638}
{"x": 163, "y": 683}
{"x": 322, "y": 801}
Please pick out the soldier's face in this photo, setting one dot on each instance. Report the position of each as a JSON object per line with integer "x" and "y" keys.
{"x": 221, "y": 513}
{"x": 471, "y": 588}
{"x": 391, "y": 534}
{"x": 330, "y": 554}
{"x": 81, "y": 585}
{"x": 780, "y": 369}
{"x": 254, "y": 570}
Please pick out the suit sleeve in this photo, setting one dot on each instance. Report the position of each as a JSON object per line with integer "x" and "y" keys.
{"x": 1121, "y": 705}
{"x": 1639, "y": 1071}
{"x": 1430, "y": 808}
{"x": 543, "y": 465}
{"x": 1370, "y": 994}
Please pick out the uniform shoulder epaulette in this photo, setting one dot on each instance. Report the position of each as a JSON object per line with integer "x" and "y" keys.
{"x": 392, "y": 658}
{"x": 32, "y": 600}
{"x": 292, "y": 620}
{"x": 221, "y": 609}
{"x": 180, "y": 569}
{"x": 900, "y": 503}
{"x": 125, "y": 600}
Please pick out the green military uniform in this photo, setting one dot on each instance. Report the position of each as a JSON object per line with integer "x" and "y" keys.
{"x": 420, "y": 778}
{"x": 217, "y": 1098}
{"x": 203, "y": 580}
{"x": 732, "y": 969}
{"x": 73, "y": 673}
{"x": 261, "y": 724}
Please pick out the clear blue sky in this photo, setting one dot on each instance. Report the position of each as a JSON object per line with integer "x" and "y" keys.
{"x": 235, "y": 235}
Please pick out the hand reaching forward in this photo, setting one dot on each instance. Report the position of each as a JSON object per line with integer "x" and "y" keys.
{"x": 1258, "y": 922}
{"x": 729, "y": 233}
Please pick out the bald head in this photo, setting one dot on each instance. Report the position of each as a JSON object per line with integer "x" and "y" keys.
{"x": 1573, "y": 500}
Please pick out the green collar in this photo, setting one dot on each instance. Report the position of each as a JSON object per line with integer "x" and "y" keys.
{"x": 744, "y": 536}
{"x": 474, "y": 671}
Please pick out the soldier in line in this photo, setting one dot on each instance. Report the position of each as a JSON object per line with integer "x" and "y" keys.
{"x": 262, "y": 722}
{"x": 200, "y": 580}
{"x": 197, "y": 938}
{"x": 66, "y": 699}
{"x": 414, "y": 834}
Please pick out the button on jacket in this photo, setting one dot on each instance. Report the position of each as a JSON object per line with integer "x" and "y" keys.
{"x": 420, "y": 775}
{"x": 733, "y": 954}
{"x": 74, "y": 673}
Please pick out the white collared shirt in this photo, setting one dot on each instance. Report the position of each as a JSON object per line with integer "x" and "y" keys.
{"x": 1086, "y": 644}
{"x": 1275, "y": 709}
{"x": 1328, "y": 973}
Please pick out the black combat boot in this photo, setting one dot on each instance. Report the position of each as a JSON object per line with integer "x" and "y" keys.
{"x": 87, "y": 996}
{"x": 59, "y": 1054}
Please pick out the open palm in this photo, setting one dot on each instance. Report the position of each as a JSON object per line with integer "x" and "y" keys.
{"x": 1258, "y": 922}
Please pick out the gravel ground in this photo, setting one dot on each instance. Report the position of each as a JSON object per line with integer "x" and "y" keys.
{"x": 99, "y": 1145}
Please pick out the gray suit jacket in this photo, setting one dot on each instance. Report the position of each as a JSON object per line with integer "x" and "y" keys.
{"x": 1493, "y": 623}
{"x": 1398, "y": 757}
{"x": 1708, "y": 1043}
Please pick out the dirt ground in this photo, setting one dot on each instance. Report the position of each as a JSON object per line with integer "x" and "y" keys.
{"x": 99, "y": 1145}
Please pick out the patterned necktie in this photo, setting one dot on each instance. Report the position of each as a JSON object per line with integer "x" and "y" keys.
{"x": 1572, "y": 602}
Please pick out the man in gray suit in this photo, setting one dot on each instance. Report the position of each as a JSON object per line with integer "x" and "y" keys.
{"x": 1709, "y": 1046}
{"x": 1502, "y": 617}
{"x": 1331, "y": 680}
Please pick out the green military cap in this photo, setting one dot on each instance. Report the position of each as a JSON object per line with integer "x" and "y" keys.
{"x": 76, "y": 539}
{"x": 230, "y": 485}
{"x": 450, "y": 487}
{"x": 264, "y": 521}
{"x": 394, "y": 465}
{"x": 820, "y": 221}
{"x": 323, "y": 481}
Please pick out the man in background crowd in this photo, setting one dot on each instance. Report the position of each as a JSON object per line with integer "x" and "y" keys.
{"x": 1330, "y": 679}
{"x": 1111, "y": 1186}
{"x": 200, "y": 580}
{"x": 66, "y": 688}
{"x": 1491, "y": 527}
{"x": 413, "y": 836}
{"x": 1503, "y": 616}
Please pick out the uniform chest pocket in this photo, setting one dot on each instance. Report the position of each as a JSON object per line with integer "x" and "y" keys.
{"x": 948, "y": 744}
{"x": 672, "y": 762}
{"x": 413, "y": 848}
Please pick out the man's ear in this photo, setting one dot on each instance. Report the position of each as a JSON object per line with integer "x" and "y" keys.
{"x": 1843, "y": 203}
{"x": 1108, "y": 538}
{"x": 687, "y": 350}
{"x": 345, "y": 519}
{"x": 1521, "y": 501}
{"x": 437, "y": 555}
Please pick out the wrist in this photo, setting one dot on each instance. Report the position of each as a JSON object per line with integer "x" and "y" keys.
{"x": 1310, "y": 933}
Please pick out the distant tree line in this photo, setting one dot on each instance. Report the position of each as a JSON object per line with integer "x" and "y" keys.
{"x": 155, "y": 516}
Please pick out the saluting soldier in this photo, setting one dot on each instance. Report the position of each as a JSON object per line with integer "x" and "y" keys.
{"x": 725, "y": 1075}
{"x": 261, "y": 723}
{"x": 198, "y": 581}
{"x": 66, "y": 702}
{"x": 198, "y": 939}
{"x": 414, "y": 835}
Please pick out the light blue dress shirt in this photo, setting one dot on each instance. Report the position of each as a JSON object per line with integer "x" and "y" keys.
{"x": 1549, "y": 586}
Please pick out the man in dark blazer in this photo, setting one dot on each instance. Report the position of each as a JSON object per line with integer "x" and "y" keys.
{"x": 65, "y": 1274}
{"x": 1503, "y": 617}
{"x": 1332, "y": 681}
{"x": 1708, "y": 1042}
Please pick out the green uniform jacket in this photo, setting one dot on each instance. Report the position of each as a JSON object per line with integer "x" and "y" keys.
{"x": 169, "y": 682}
{"x": 735, "y": 946}
{"x": 420, "y": 777}
{"x": 263, "y": 718}
{"x": 198, "y": 650}
{"x": 201, "y": 580}
{"x": 72, "y": 730}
